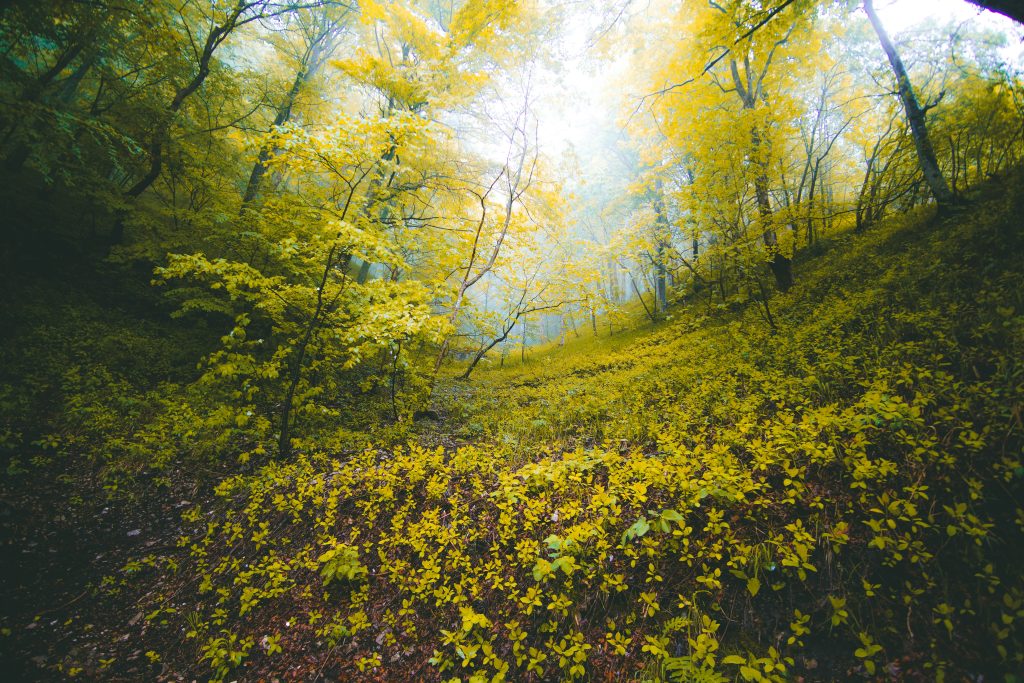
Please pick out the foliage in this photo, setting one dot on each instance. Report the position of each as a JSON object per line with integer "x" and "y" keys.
{"x": 844, "y": 494}
{"x": 250, "y": 244}
{"x": 341, "y": 562}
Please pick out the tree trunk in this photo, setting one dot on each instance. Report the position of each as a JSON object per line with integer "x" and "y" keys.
{"x": 364, "y": 272}
{"x": 252, "y": 188}
{"x": 284, "y": 443}
{"x": 661, "y": 283}
{"x": 394, "y": 377}
{"x": 780, "y": 265}
{"x": 660, "y": 271}
{"x": 306, "y": 71}
{"x": 640, "y": 296}
{"x": 915, "y": 114}
{"x": 861, "y": 212}
{"x": 483, "y": 352}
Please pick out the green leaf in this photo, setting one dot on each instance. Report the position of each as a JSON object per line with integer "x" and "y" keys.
{"x": 640, "y": 528}
{"x": 671, "y": 516}
{"x": 753, "y": 586}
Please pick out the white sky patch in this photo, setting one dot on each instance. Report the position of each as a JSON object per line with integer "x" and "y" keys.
{"x": 899, "y": 15}
{"x": 568, "y": 105}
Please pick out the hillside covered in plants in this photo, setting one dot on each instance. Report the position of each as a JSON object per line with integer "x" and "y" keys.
{"x": 406, "y": 340}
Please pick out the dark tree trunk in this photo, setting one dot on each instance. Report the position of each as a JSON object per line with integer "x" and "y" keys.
{"x": 364, "y": 272}
{"x": 483, "y": 352}
{"x": 780, "y": 265}
{"x": 640, "y": 296}
{"x": 161, "y": 133}
{"x": 394, "y": 379}
{"x": 284, "y": 443}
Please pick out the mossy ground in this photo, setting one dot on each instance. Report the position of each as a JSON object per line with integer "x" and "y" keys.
{"x": 701, "y": 499}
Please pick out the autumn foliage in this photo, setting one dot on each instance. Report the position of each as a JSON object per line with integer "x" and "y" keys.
{"x": 323, "y": 358}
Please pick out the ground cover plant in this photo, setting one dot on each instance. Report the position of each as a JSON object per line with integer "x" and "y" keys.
{"x": 709, "y": 500}
{"x": 331, "y": 352}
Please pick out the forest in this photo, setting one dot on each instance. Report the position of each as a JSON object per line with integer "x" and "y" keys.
{"x": 512, "y": 340}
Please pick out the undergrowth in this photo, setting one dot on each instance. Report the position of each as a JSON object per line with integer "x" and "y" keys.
{"x": 704, "y": 500}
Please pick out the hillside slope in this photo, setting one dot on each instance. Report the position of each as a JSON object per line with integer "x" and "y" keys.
{"x": 702, "y": 500}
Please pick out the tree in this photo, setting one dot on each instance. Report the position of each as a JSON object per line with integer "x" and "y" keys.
{"x": 734, "y": 83}
{"x": 915, "y": 114}
{"x": 319, "y": 31}
{"x": 748, "y": 82}
{"x": 523, "y": 295}
{"x": 78, "y": 38}
{"x": 487, "y": 238}
{"x": 317, "y": 319}
{"x": 220, "y": 24}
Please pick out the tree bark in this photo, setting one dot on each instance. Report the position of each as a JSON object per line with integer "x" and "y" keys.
{"x": 284, "y": 442}
{"x": 640, "y": 296}
{"x": 915, "y": 114}
{"x": 161, "y": 133}
{"x": 483, "y": 352}
{"x": 780, "y": 264}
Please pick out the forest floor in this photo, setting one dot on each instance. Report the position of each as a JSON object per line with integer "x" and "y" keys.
{"x": 702, "y": 499}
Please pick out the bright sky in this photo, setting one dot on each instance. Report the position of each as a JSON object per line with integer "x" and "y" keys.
{"x": 899, "y": 15}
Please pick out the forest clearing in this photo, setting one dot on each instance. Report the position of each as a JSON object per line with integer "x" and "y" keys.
{"x": 497, "y": 340}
